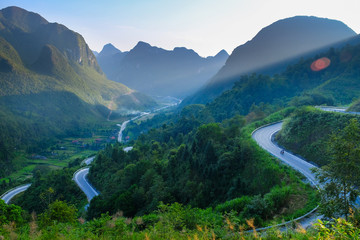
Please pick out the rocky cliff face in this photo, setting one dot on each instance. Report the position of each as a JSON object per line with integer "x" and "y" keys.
{"x": 28, "y": 33}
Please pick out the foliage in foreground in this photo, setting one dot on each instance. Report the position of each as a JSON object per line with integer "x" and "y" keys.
{"x": 168, "y": 222}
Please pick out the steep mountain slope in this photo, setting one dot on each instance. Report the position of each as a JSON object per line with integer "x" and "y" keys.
{"x": 282, "y": 41}
{"x": 109, "y": 59}
{"x": 95, "y": 53}
{"x": 33, "y": 48}
{"x": 51, "y": 85}
{"x": 331, "y": 78}
{"x": 156, "y": 71}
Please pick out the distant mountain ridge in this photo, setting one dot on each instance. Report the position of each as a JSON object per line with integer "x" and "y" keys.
{"x": 54, "y": 58}
{"x": 109, "y": 59}
{"x": 157, "y": 71}
{"x": 50, "y": 82}
{"x": 108, "y": 50}
{"x": 285, "y": 39}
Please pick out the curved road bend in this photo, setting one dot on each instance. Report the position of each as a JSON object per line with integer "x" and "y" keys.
{"x": 81, "y": 181}
{"x": 84, "y": 185}
{"x": 12, "y": 193}
{"x": 78, "y": 178}
{"x": 264, "y": 135}
{"x": 88, "y": 161}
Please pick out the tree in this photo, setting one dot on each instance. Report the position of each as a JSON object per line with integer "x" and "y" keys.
{"x": 58, "y": 211}
{"x": 340, "y": 177}
{"x": 10, "y": 213}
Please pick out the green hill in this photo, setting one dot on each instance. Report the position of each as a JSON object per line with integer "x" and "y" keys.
{"x": 51, "y": 85}
{"x": 307, "y": 133}
{"x": 275, "y": 47}
{"x": 43, "y": 56}
{"x": 299, "y": 84}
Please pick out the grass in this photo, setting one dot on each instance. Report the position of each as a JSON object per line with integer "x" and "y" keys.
{"x": 62, "y": 153}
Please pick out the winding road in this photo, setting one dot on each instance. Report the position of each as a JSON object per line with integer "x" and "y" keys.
{"x": 84, "y": 185}
{"x": 13, "y": 192}
{"x": 264, "y": 137}
{"x": 80, "y": 175}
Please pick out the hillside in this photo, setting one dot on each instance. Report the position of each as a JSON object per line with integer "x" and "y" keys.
{"x": 109, "y": 59}
{"x": 308, "y": 131}
{"x": 336, "y": 84}
{"x": 200, "y": 165}
{"x": 51, "y": 85}
{"x": 285, "y": 40}
{"x": 33, "y": 48}
{"x": 156, "y": 71}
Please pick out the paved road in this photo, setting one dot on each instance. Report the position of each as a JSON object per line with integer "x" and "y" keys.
{"x": 127, "y": 149}
{"x": 263, "y": 137}
{"x": 88, "y": 161}
{"x": 332, "y": 109}
{"x": 84, "y": 185}
{"x": 13, "y": 192}
{"x": 122, "y": 128}
{"x": 124, "y": 124}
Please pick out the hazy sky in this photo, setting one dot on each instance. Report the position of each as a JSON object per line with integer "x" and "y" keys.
{"x": 207, "y": 26}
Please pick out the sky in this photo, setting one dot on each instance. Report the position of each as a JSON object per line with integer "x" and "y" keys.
{"x": 206, "y": 26}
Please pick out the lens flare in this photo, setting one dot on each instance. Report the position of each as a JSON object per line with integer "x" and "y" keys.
{"x": 320, "y": 64}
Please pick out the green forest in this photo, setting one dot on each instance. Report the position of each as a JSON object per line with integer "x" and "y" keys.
{"x": 308, "y": 131}
{"x": 202, "y": 166}
{"x": 194, "y": 172}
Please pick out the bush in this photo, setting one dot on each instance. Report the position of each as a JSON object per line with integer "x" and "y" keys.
{"x": 10, "y": 213}
{"x": 237, "y": 204}
{"x": 58, "y": 212}
{"x": 277, "y": 197}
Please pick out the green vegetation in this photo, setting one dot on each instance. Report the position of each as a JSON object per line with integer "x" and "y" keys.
{"x": 58, "y": 212}
{"x": 308, "y": 131}
{"x": 298, "y": 85}
{"x": 340, "y": 177}
{"x": 195, "y": 173}
{"x": 315, "y": 134}
{"x": 168, "y": 222}
{"x": 49, "y": 186}
{"x": 48, "y": 145}
{"x": 201, "y": 165}
{"x": 51, "y": 88}
{"x": 354, "y": 107}
{"x": 10, "y": 213}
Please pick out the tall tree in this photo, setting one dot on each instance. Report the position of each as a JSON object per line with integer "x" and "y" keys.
{"x": 340, "y": 177}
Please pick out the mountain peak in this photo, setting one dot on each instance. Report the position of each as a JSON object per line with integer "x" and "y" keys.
{"x": 185, "y": 51}
{"x": 181, "y": 49}
{"x": 282, "y": 41}
{"x": 142, "y": 45}
{"x": 25, "y": 20}
{"x": 222, "y": 53}
{"x": 109, "y": 49}
{"x": 300, "y": 25}
{"x": 161, "y": 72}
{"x": 285, "y": 39}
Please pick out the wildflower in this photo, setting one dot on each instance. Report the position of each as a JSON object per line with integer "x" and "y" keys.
{"x": 251, "y": 224}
